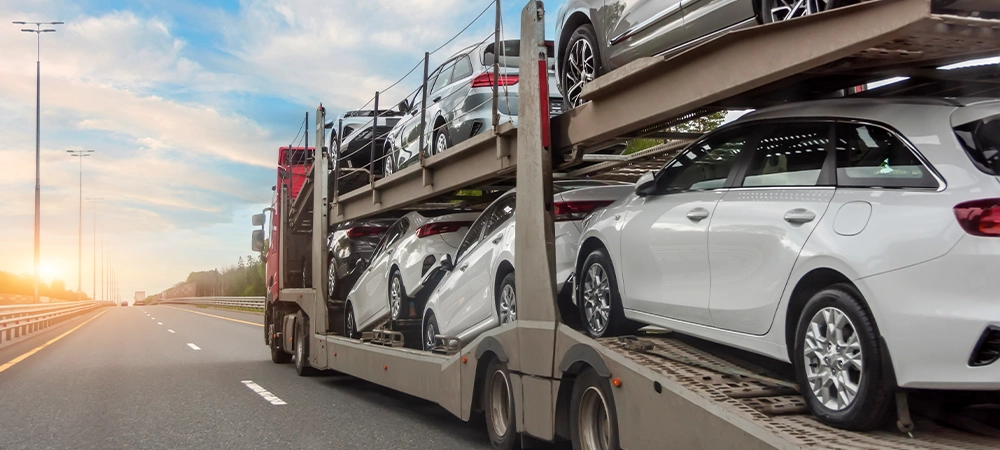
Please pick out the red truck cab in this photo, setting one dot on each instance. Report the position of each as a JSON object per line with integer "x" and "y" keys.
{"x": 293, "y": 168}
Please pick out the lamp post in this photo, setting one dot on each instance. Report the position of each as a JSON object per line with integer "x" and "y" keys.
{"x": 95, "y": 201}
{"x": 38, "y": 142}
{"x": 79, "y": 263}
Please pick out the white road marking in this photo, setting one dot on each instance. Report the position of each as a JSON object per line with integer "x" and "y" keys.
{"x": 193, "y": 347}
{"x": 273, "y": 399}
{"x": 171, "y": 331}
{"x": 159, "y": 323}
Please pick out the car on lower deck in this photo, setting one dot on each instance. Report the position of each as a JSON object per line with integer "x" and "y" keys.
{"x": 477, "y": 293}
{"x": 393, "y": 282}
{"x": 350, "y": 245}
{"x": 856, "y": 239}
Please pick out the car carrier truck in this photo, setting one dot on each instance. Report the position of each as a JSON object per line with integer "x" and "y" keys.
{"x": 538, "y": 380}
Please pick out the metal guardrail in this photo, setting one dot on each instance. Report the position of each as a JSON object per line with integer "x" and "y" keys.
{"x": 240, "y": 303}
{"x": 19, "y": 320}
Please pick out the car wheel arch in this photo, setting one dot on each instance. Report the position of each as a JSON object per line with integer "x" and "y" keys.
{"x": 574, "y": 20}
{"x": 806, "y": 287}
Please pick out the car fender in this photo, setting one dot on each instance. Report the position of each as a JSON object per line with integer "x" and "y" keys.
{"x": 605, "y": 226}
{"x": 567, "y": 10}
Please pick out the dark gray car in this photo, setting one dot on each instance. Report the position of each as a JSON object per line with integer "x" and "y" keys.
{"x": 598, "y": 36}
{"x": 350, "y": 244}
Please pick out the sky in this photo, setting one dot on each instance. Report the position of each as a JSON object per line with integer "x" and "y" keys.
{"x": 185, "y": 103}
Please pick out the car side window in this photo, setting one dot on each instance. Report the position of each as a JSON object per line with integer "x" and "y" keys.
{"x": 872, "y": 156}
{"x": 444, "y": 78}
{"x": 463, "y": 69}
{"x": 502, "y": 212}
{"x": 705, "y": 166}
{"x": 394, "y": 232}
{"x": 473, "y": 235}
{"x": 790, "y": 154}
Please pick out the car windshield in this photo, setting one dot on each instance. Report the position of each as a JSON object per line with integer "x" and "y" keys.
{"x": 981, "y": 140}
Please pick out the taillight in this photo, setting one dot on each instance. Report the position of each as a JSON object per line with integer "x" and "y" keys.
{"x": 441, "y": 227}
{"x": 980, "y": 217}
{"x": 564, "y": 211}
{"x": 486, "y": 80}
{"x": 360, "y": 232}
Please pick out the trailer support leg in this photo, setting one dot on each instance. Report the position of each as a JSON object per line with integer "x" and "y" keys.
{"x": 904, "y": 422}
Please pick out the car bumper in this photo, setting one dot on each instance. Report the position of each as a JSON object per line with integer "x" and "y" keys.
{"x": 933, "y": 315}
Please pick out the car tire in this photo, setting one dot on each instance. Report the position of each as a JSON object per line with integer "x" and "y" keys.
{"x": 498, "y": 404}
{"x": 302, "y": 366}
{"x": 398, "y": 300}
{"x": 581, "y": 47}
{"x": 350, "y": 323}
{"x": 840, "y": 313}
{"x": 766, "y": 6}
{"x": 506, "y": 300}
{"x": 389, "y": 164}
{"x": 333, "y": 284}
{"x": 428, "y": 331}
{"x": 278, "y": 355}
{"x": 599, "y": 300}
{"x": 441, "y": 140}
{"x": 593, "y": 418}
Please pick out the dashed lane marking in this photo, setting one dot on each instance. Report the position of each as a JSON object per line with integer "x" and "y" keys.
{"x": 11, "y": 363}
{"x": 271, "y": 398}
{"x": 193, "y": 347}
{"x": 218, "y": 317}
{"x": 172, "y": 331}
{"x": 159, "y": 323}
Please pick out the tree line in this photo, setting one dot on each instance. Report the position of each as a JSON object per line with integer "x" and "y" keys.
{"x": 13, "y": 284}
{"x": 245, "y": 279}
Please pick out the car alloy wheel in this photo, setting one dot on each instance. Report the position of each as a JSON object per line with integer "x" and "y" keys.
{"x": 430, "y": 331}
{"x": 781, "y": 10}
{"x": 332, "y": 281}
{"x": 580, "y": 69}
{"x": 440, "y": 142}
{"x": 833, "y": 358}
{"x": 350, "y": 328}
{"x": 596, "y": 299}
{"x": 508, "y": 304}
{"x": 395, "y": 297}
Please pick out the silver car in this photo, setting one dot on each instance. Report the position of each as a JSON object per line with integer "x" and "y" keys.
{"x": 597, "y": 36}
{"x": 460, "y": 103}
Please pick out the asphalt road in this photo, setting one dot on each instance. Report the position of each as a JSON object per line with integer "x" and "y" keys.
{"x": 132, "y": 378}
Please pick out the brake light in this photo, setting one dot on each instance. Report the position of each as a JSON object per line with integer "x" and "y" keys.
{"x": 486, "y": 80}
{"x": 980, "y": 217}
{"x": 360, "y": 232}
{"x": 441, "y": 227}
{"x": 564, "y": 211}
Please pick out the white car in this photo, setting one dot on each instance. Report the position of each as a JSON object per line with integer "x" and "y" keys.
{"x": 478, "y": 293}
{"x": 830, "y": 235}
{"x": 392, "y": 283}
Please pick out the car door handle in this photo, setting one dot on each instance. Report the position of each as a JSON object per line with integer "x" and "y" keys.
{"x": 497, "y": 240}
{"x": 436, "y": 99}
{"x": 799, "y": 216}
{"x": 464, "y": 266}
{"x": 698, "y": 214}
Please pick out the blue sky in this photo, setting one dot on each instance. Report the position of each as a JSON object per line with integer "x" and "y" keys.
{"x": 186, "y": 103}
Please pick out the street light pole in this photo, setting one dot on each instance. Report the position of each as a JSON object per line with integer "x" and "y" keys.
{"x": 93, "y": 266}
{"x": 79, "y": 263}
{"x": 38, "y": 140}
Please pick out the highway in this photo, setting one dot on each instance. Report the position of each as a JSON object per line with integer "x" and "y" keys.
{"x": 169, "y": 377}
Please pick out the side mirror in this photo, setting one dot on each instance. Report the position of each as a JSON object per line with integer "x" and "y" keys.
{"x": 257, "y": 240}
{"x": 446, "y": 263}
{"x": 646, "y": 184}
{"x": 258, "y": 220}
{"x": 404, "y": 106}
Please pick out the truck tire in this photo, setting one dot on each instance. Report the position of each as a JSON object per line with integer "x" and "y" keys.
{"x": 278, "y": 355}
{"x": 498, "y": 404}
{"x": 593, "y": 420}
{"x": 837, "y": 345}
{"x": 302, "y": 366}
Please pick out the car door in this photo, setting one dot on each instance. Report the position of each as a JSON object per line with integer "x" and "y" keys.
{"x": 762, "y": 223}
{"x": 436, "y": 96}
{"x": 642, "y": 28}
{"x": 704, "y": 17}
{"x": 664, "y": 237}
{"x": 453, "y": 293}
{"x": 453, "y": 104}
{"x": 373, "y": 294}
{"x": 410, "y": 135}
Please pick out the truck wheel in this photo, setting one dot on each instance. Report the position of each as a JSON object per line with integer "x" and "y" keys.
{"x": 430, "y": 330}
{"x": 593, "y": 421}
{"x": 278, "y": 355}
{"x": 302, "y": 366}
{"x": 350, "y": 326}
{"x": 498, "y": 403}
{"x": 839, "y": 362}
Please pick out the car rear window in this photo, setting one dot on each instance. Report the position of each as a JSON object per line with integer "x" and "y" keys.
{"x": 872, "y": 156}
{"x": 510, "y": 52}
{"x": 981, "y": 140}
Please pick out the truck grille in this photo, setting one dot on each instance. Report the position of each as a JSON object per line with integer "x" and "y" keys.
{"x": 988, "y": 350}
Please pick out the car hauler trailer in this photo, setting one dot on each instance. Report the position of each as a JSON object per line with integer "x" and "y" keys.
{"x": 540, "y": 380}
